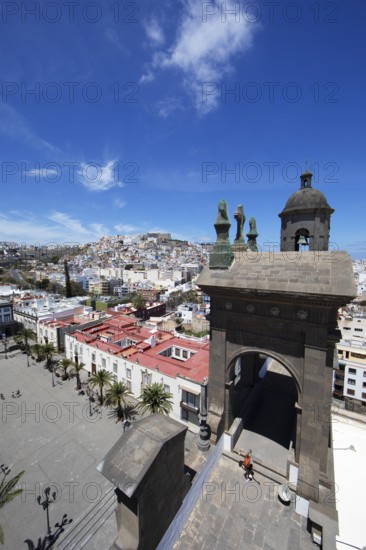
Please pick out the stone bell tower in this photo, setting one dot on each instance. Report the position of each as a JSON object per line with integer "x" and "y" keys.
{"x": 305, "y": 220}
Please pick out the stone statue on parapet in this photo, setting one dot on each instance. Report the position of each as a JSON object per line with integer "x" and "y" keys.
{"x": 222, "y": 216}
{"x": 240, "y": 220}
{"x": 221, "y": 256}
{"x": 252, "y": 235}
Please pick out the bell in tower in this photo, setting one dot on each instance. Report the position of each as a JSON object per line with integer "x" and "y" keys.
{"x": 305, "y": 220}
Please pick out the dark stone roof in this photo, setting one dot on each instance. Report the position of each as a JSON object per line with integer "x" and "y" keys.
{"x": 127, "y": 462}
{"x": 321, "y": 274}
{"x": 307, "y": 198}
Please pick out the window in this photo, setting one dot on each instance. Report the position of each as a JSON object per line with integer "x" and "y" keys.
{"x": 103, "y": 363}
{"x": 128, "y": 384}
{"x": 93, "y": 357}
{"x": 185, "y": 354}
{"x": 363, "y": 395}
{"x": 184, "y": 414}
{"x": 128, "y": 373}
{"x": 166, "y": 388}
{"x": 364, "y": 373}
{"x": 115, "y": 378}
{"x": 351, "y": 371}
{"x": 177, "y": 352}
{"x": 350, "y": 392}
{"x": 115, "y": 367}
{"x": 190, "y": 399}
{"x": 351, "y": 381}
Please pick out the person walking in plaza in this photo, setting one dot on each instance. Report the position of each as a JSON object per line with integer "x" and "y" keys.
{"x": 247, "y": 463}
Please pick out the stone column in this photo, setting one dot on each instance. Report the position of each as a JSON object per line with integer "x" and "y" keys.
{"x": 216, "y": 390}
{"x": 298, "y": 432}
{"x": 313, "y": 444}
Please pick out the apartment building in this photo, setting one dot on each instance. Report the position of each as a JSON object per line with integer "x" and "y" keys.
{"x": 349, "y": 381}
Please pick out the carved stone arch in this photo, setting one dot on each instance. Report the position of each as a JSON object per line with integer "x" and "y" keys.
{"x": 244, "y": 350}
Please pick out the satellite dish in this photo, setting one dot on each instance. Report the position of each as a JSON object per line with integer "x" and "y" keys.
{"x": 284, "y": 493}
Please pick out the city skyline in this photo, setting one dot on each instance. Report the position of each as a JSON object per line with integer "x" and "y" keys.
{"x": 129, "y": 118}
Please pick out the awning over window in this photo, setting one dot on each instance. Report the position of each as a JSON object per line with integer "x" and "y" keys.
{"x": 191, "y": 390}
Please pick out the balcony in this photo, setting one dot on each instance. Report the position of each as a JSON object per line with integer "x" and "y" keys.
{"x": 188, "y": 407}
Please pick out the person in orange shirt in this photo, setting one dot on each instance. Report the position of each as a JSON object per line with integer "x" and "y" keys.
{"x": 247, "y": 463}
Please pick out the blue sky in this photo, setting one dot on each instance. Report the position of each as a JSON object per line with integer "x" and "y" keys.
{"x": 143, "y": 115}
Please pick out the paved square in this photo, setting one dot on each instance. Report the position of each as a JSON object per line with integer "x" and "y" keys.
{"x": 48, "y": 432}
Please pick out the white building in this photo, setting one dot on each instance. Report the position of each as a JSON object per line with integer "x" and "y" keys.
{"x": 350, "y": 377}
{"x": 186, "y": 312}
{"x": 139, "y": 357}
{"x": 33, "y": 310}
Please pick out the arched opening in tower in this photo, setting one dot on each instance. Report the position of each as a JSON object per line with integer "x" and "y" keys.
{"x": 264, "y": 397}
{"x": 302, "y": 240}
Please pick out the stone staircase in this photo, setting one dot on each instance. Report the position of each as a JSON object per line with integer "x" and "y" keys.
{"x": 89, "y": 524}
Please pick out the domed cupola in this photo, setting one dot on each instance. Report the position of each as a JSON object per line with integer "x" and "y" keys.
{"x": 305, "y": 220}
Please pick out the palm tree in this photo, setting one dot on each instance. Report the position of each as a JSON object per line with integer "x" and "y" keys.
{"x": 7, "y": 492}
{"x": 23, "y": 337}
{"x": 139, "y": 303}
{"x": 37, "y": 349}
{"x": 48, "y": 353}
{"x": 101, "y": 378}
{"x": 75, "y": 371}
{"x": 64, "y": 364}
{"x": 155, "y": 399}
{"x": 117, "y": 397}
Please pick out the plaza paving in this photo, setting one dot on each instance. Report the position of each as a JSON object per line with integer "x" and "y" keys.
{"x": 48, "y": 433}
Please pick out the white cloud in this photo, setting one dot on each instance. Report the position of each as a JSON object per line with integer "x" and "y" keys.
{"x": 154, "y": 32}
{"x": 119, "y": 203}
{"x": 147, "y": 77}
{"x": 96, "y": 177}
{"x": 45, "y": 173}
{"x": 203, "y": 51}
{"x": 15, "y": 126}
{"x": 123, "y": 228}
{"x": 168, "y": 106}
{"x": 57, "y": 227}
{"x": 113, "y": 38}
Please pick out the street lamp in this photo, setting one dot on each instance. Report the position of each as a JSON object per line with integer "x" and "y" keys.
{"x": 26, "y": 351}
{"x": 53, "y": 376}
{"x": 45, "y": 504}
{"x": 5, "y": 470}
{"x": 89, "y": 393}
{"x": 5, "y": 340}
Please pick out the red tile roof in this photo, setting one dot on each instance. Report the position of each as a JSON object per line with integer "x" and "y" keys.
{"x": 195, "y": 368}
